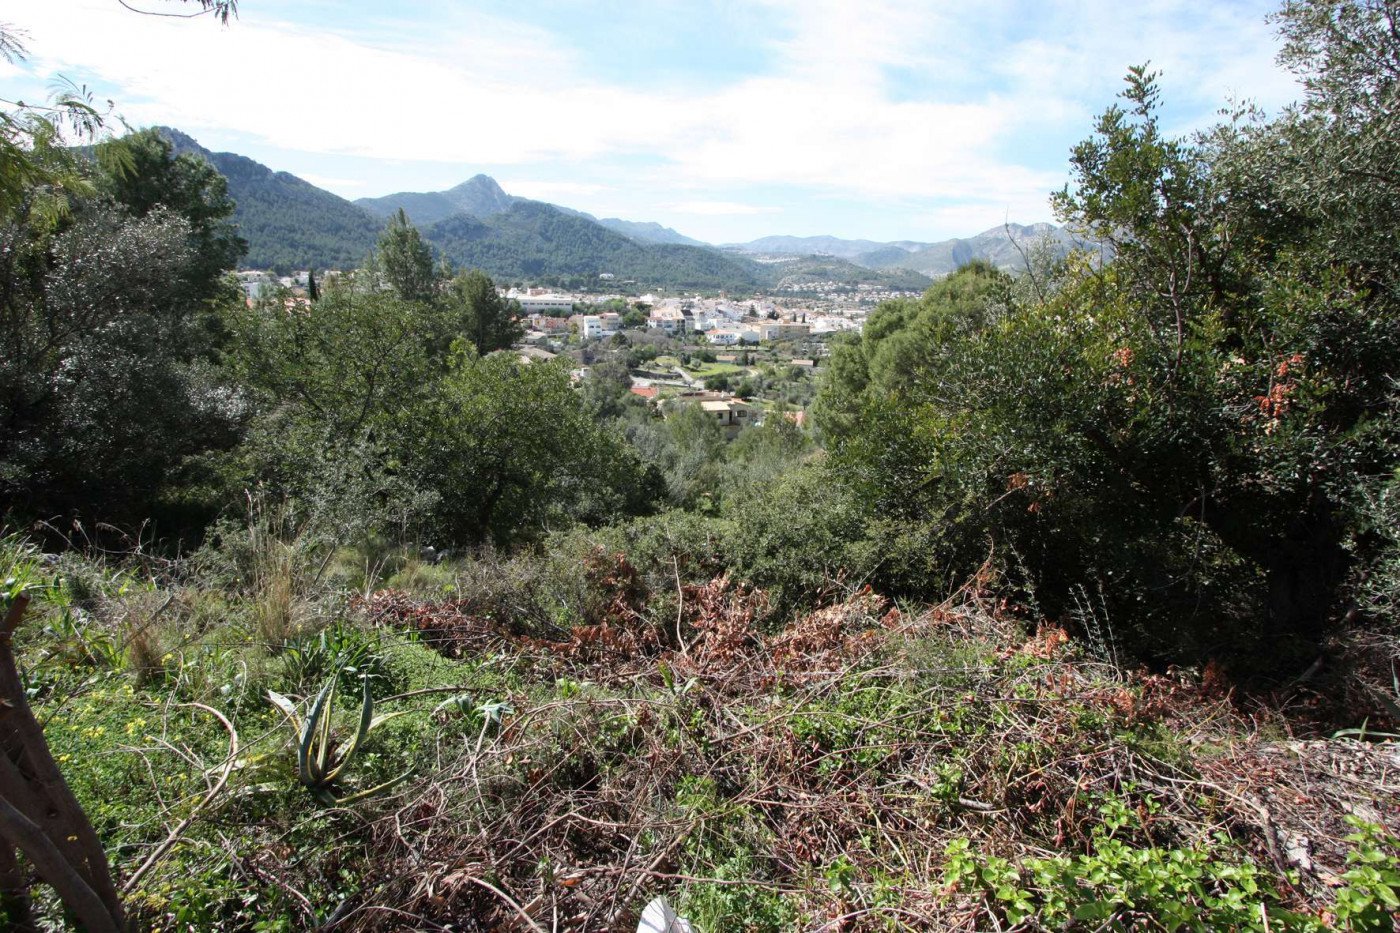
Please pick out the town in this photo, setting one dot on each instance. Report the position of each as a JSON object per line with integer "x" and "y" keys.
{"x": 740, "y": 360}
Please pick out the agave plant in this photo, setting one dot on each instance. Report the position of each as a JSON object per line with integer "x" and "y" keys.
{"x": 320, "y": 761}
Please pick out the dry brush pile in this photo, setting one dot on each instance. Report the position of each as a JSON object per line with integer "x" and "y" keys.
{"x": 862, "y": 768}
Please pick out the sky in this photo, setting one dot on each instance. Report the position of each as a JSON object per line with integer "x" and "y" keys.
{"x": 724, "y": 119}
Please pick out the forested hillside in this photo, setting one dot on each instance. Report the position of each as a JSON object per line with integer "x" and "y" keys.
{"x": 1071, "y": 606}
{"x": 795, "y": 272}
{"x": 531, "y": 239}
{"x": 478, "y": 196}
{"x": 289, "y": 223}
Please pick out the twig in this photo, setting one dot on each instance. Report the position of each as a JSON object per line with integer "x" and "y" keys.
{"x": 160, "y": 851}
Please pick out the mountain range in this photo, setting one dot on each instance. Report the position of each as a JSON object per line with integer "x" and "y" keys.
{"x": 1006, "y": 247}
{"x": 290, "y": 223}
{"x": 819, "y": 246}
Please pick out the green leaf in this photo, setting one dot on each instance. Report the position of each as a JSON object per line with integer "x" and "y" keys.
{"x": 288, "y": 709}
{"x": 378, "y": 789}
{"x": 347, "y": 751}
{"x": 458, "y": 703}
{"x": 310, "y": 729}
{"x": 495, "y": 712}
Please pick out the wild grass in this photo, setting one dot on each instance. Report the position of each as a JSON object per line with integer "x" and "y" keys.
{"x": 578, "y": 742}
{"x": 278, "y": 571}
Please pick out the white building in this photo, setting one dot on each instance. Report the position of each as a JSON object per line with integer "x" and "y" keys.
{"x": 667, "y": 320}
{"x": 704, "y": 319}
{"x": 783, "y": 330}
{"x": 254, "y": 283}
{"x": 731, "y": 336}
{"x": 599, "y": 326}
{"x": 545, "y": 304}
{"x": 731, "y": 413}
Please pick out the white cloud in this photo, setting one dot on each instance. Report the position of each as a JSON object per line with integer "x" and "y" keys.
{"x": 943, "y": 137}
{"x": 718, "y": 208}
{"x": 325, "y": 181}
{"x": 551, "y": 190}
{"x": 316, "y": 91}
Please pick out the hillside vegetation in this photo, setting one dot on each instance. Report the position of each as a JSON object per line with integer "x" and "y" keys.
{"x": 1071, "y": 607}
{"x": 478, "y": 196}
{"x": 288, "y": 223}
{"x": 530, "y": 239}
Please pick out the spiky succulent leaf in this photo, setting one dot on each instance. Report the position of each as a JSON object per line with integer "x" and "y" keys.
{"x": 347, "y": 751}
{"x": 377, "y": 789}
{"x": 496, "y": 712}
{"x": 382, "y": 718}
{"x": 457, "y": 703}
{"x": 323, "y": 741}
{"x": 317, "y": 718}
{"x": 288, "y": 709}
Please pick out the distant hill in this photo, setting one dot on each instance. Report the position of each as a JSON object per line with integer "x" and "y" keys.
{"x": 1005, "y": 247}
{"x": 648, "y": 232}
{"x": 532, "y": 239}
{"x": 803, "y": 273}
{"x": 481, "y": 197}
{"x": 1000, "y": 246}
{"x": 819, "y": 246}
{"x": 288, "y": 223}
{"x": 478, "y": 196}
{"x": 884, "y": 257}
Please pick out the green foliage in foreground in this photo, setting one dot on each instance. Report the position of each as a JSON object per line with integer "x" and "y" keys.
{"x": 774, "y": 795}
{"x": 108, "y": 316}
{"x": 1198, "y": 889}
{"x": 909, "y": 733}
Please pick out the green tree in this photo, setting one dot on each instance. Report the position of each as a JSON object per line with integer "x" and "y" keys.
{"x": 107, "y": 381}
{"x": 40, "y": 171}
{"x": 1263, "y": 314}
{"x": 510, "y": 450}
{"x": 688, "y": 449}
{"x": 607, "y": 391}
{"x": 905, "y": 342}
{"x": 405, "y": 262}
{"x": 1338, "y": 149}
{"x": 474, "y": 309}
{"x": 337, "y": 385}
{"x": 759, "y": 456}
{"x": 1179, "y": 436}
{"x": 154, "y": 177}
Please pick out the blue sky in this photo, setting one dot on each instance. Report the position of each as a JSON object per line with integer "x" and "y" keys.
{"x": 727, "y": 120}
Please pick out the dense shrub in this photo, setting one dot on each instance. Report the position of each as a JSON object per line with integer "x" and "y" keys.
{"x": 1186, "y": 430}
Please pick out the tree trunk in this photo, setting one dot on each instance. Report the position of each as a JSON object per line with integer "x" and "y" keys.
{"x": 39, "y": 814}
{"x": 14, "y": 894}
